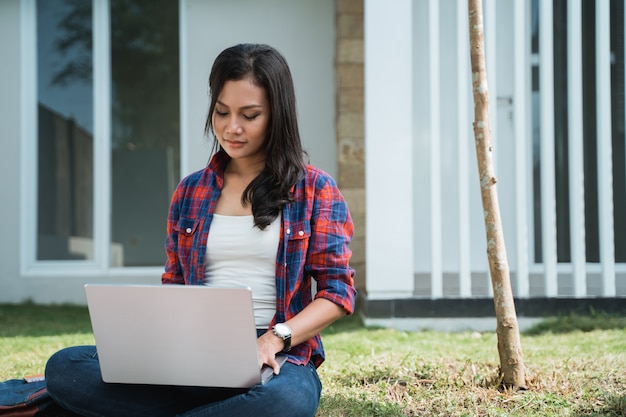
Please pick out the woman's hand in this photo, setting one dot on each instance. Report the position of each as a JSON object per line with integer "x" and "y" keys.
{"x": 269, "y": 345}
{"x": 312, "y": 320}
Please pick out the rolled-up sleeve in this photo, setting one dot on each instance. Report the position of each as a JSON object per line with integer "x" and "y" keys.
{"x": 329, "y": 249}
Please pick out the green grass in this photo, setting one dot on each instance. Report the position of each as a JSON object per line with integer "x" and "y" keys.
{"x": 29, "y": 334}
{"x": 576, "y": 365}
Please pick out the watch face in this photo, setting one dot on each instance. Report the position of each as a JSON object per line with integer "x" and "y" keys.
{"x": 282, "y": 330}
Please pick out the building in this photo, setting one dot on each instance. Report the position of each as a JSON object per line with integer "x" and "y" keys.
{"x": 103, "y": 110}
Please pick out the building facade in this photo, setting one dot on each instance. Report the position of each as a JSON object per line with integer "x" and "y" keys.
{"x": 103, "y": 110}
{"x": 103, "y": 107}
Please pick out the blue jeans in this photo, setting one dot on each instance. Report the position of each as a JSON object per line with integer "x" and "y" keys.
{"x": 74, "y": 382}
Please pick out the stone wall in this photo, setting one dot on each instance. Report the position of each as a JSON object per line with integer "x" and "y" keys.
{"x": 350, "y": 122}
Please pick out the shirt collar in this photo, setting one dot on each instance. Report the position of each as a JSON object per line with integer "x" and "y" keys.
{"x": 217, "y": 164}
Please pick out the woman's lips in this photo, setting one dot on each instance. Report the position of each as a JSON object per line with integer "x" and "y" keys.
{"x": 234, "y": 143}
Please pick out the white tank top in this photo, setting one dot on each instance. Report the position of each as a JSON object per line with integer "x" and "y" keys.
{"x": 238, "y": 251}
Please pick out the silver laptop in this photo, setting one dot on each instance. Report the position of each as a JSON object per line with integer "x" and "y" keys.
{"x": 176, "y": 335}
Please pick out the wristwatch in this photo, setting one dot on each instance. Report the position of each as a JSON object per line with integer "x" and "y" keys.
{"x": 284, "y": 332}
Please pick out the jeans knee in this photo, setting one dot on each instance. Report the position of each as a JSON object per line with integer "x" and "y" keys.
{"x": 61, "y": 366}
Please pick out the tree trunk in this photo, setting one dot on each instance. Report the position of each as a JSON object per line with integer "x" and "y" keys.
{"x": 509, "y": 347}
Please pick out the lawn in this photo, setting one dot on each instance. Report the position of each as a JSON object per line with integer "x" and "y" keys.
{"x": 576, "y": 366}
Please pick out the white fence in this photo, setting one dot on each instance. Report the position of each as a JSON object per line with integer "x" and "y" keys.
{"x": 557, "y": 114}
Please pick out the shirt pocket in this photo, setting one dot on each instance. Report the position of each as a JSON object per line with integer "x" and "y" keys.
{"x": 298, "y": 237}
{"x": 186, "y": 229}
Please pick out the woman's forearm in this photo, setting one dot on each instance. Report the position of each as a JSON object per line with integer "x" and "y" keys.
{"x": 313, "y": 319}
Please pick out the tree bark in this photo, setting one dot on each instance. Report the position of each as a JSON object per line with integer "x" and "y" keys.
{"x": 509, "y": 346}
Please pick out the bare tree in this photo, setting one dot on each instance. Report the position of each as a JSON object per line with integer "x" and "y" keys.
{"x": 509, "y": 346}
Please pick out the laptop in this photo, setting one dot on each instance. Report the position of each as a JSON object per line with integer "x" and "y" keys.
{"x": 176, "y": 335}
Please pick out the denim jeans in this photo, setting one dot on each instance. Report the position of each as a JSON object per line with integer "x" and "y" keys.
{"x": 74, "y": 382}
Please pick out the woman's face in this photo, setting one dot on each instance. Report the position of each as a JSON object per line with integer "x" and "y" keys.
{"x": 240, "y": 120}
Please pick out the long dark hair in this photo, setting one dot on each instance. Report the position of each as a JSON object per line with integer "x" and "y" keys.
{"x": 284, "y": 164}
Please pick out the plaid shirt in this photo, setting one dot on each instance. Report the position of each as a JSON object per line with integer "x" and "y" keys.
{"x": 316, "y": 231}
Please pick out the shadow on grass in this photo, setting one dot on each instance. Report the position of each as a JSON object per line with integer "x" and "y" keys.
{"x": 595, "y": 320}
{"x": 36, "y": 320}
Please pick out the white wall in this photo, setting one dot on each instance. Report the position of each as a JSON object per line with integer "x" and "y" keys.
{"x": 389, "y": 142}
{"x": 302, "y": 30}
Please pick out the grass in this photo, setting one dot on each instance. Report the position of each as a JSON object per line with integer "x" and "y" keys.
{"x": 576, "y": 365}
{"x": 29, "y": 334}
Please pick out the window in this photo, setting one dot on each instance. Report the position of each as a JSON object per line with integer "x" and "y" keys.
{"x": 142, "y": 148}
{"x": 65, "y": 131}
{"x": 145, "y": 126}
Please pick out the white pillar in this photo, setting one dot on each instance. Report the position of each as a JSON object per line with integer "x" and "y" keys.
{"x": 548, "y": 199}
{"x": 389, "y": 148}
{"x": 605, "y": 151}
{"x": 434, "y": 104}
{"x": 576, "y": 156}
{"x": 463, "y": 74}
{"x": 522, "y": 137}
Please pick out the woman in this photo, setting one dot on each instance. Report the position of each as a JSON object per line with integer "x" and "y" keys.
{"x": 257, "y": 214}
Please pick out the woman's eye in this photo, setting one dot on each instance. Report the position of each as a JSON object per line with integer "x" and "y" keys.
{"x": 250, "y": 116}
{"x": 220, "y": 113}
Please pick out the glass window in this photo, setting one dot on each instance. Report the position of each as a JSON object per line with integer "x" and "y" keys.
{"x": 65, "y": 137}
{"x": 145, "y": 127}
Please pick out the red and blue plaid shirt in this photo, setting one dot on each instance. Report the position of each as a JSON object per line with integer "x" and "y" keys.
{"x": 316, "y": 231}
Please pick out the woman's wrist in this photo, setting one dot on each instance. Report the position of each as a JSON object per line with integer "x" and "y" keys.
{"x": 283, "y": 332}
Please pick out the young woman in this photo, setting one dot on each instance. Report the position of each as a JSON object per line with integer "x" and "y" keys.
{"x": 257, "y": 214}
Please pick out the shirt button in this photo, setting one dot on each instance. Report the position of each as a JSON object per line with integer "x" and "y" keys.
{"x": 300, "y": 233}
{"x": 188, "y": 230}
{"x": 288, "y": 231}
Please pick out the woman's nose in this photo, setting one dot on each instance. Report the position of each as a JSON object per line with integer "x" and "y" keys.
{"x": 233, "y": 126}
